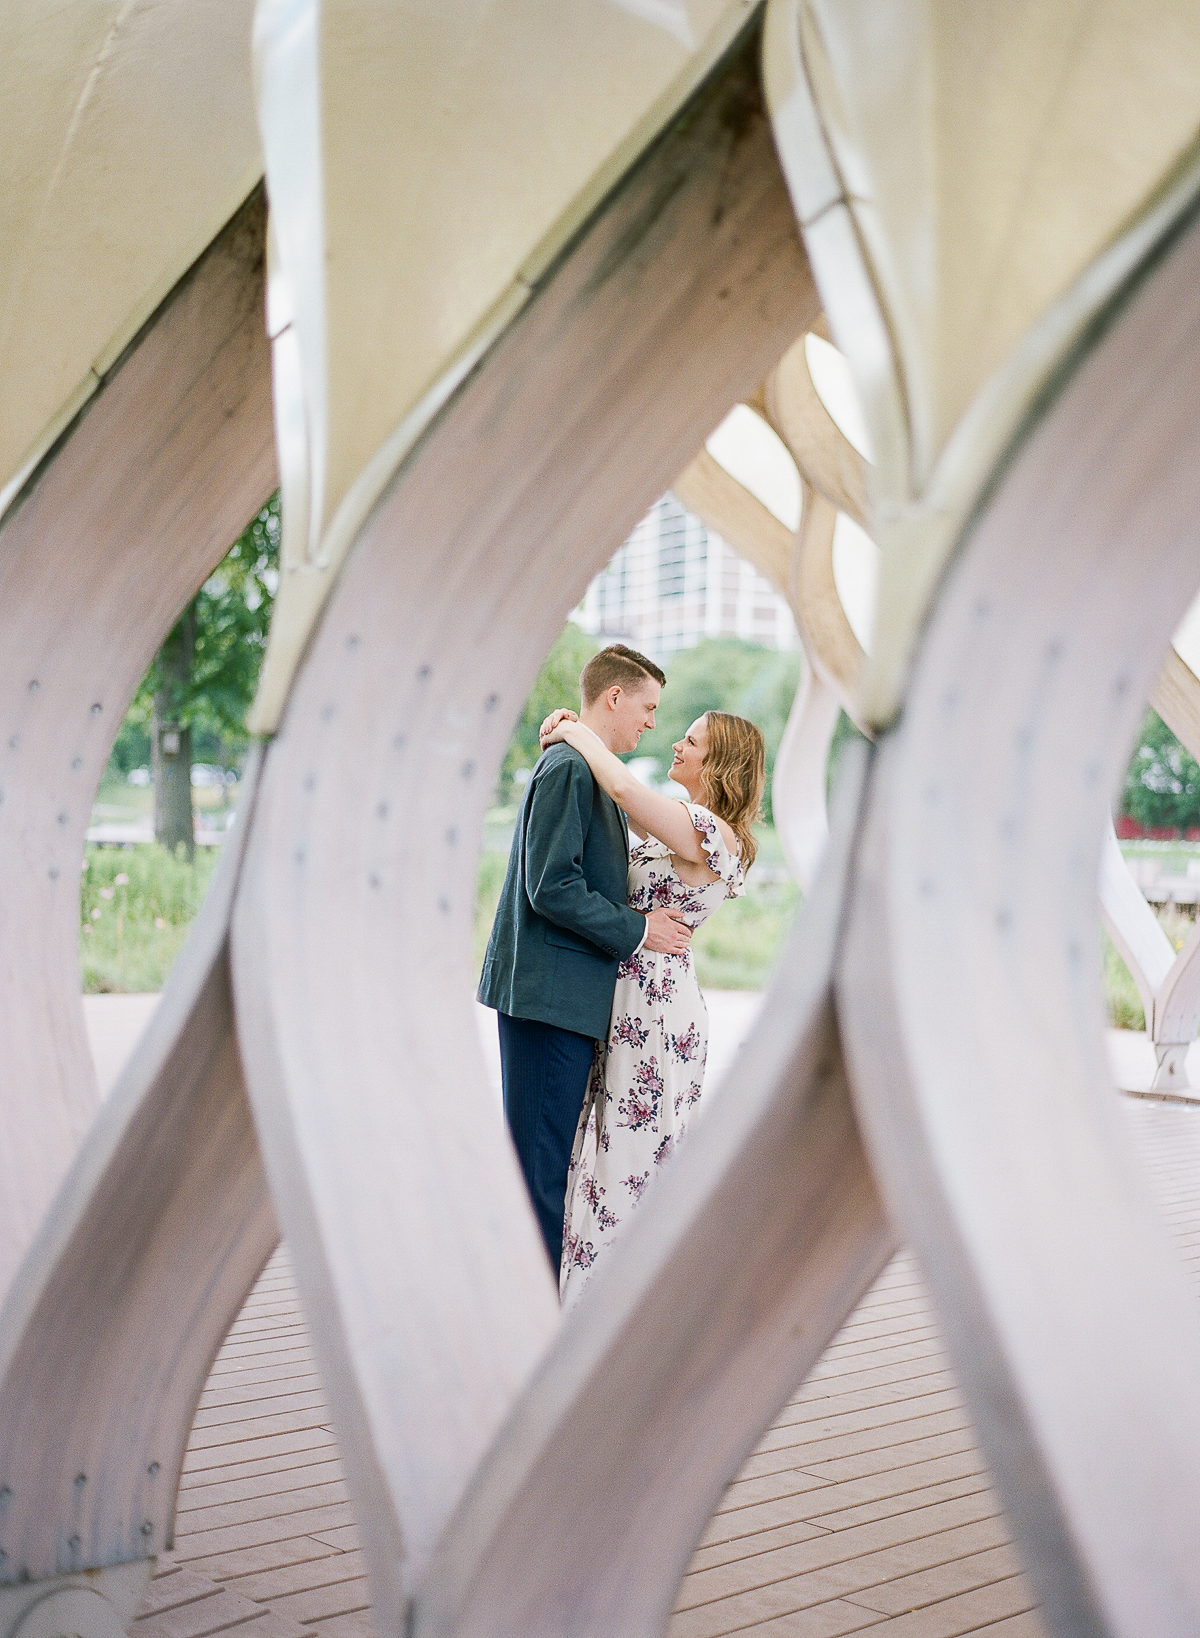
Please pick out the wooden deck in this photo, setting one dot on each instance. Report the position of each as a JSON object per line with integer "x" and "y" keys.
{"x": 867, "y": 1508}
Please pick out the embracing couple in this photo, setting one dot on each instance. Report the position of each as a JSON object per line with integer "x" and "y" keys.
{"x": 603, "y": 1029}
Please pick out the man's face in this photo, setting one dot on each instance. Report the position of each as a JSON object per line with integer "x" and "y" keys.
{"x": 633, "y": 714}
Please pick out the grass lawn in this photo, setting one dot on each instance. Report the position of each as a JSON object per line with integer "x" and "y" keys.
{"x": 137, "y": 904}
{"x": 136, "y": 907}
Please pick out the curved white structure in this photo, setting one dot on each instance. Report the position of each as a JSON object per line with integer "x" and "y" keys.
{"x": 493, "y": 345}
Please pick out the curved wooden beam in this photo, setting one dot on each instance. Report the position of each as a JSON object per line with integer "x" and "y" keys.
{"x": 801, "y": 568}
{"x": 146, "y": 1255}
{"x": 434, "y": 259}
{"x": 969, "y": 999}
{"x": 717, "y": 498}
{"x": 742, "y": 1262}
{"x": 161, "y": 1219}
{"x": 416, "y": 1251}
{"x": 1176, "y": 698}
{"x": 1168, "y": 984}
{"x": 828, "y": 637}
{"x": 111, "y": 536}
{"x": 1175, "y": 1018}
{"x": 828, "y": 461}
{"x": 1132, "y": 925}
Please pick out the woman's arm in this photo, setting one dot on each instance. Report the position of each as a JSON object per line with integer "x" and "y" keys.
{"x": 655, "y": 815}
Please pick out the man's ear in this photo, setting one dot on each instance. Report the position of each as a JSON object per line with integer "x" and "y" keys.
{"x": 613, "y": 696}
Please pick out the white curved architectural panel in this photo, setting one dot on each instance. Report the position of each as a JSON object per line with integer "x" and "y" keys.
{"x": 400, "y": 275}
{"x": 141, "y": 501}
{"x": 128, "y": 139}
{"x": 990, "y": 153}
{"x": 419, "y": 252}
{"x": 1132, "y": 925}
{"x": 1186, "y": 639}
{"x": 108, "y": 1331}
{"x": 825, "y": 456}
{"x": 798, "y": 785}
{"x": 969, "y": 998}
{"x": 1168, "y": 983}
{"x": 974, "y": 182}
{"x": 387, "y": 1158}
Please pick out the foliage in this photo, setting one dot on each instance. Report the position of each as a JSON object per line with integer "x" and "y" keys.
{"x": 736, "y": 948}
{"x": 136, "y": 906}
{"x": 721, "y": 674}
{"x": 1162, "y": 783}
{"x": 489, "y": 879}
{"x": 1120, "y": 992}
{"x": 715, "y": 675}
{"x": 726, "y": 674}
{"x": 132, "y": 748}
{"x": 557, "y": 683}
{"x": 232, "y": 614}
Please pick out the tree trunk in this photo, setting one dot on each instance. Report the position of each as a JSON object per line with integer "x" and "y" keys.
{"x": 171, "y": 739}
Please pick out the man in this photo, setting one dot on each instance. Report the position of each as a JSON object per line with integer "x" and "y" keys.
{"x": 562, "y": 928}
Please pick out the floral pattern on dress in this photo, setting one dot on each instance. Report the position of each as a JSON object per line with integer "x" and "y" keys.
{"x": 648, "y": 1080}
{"x": 686, "y": 1047}
{"x": 628, "y": 1029}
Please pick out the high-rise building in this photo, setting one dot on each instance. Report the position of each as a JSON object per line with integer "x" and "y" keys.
{"x": 675, "y": 582}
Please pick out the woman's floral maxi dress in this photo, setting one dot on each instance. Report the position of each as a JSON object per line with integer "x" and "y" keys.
{"x": 648, "y": 1080}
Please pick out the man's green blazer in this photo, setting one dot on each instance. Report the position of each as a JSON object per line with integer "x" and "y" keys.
{"x": 562, "y": 925}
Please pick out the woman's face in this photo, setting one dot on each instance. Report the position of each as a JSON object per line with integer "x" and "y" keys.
{"x": 690, "y": 752}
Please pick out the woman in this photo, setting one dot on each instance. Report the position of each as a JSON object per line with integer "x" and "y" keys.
{"x": 649, "y": 1079}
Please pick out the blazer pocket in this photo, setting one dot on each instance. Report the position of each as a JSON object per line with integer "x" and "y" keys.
{"x": 564, "y": 940}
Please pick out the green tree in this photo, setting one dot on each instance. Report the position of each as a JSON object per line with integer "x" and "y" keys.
{"x": 715, "y": 675}
{"x": 727, "y": 674}
{"x": 557, "y": 684}
{"x": 1162, "y": 783}
{"x": 199, "y": 688}
{"x": 720, "y": 674}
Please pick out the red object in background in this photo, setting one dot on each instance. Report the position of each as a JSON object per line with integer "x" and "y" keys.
{"x": 1128, "y": 830}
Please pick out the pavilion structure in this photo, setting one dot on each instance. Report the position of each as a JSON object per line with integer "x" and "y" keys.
{"x": 519, "y": 260}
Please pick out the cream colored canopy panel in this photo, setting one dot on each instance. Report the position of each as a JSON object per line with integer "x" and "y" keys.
{"x": 974, "y": 181}
{"x": 457, "y": 148}
{"x": 990, "y": 153}
{"x": 127, "y": 140}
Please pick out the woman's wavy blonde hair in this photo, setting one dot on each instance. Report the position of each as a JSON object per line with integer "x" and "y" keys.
{"x": 733, "y": 775}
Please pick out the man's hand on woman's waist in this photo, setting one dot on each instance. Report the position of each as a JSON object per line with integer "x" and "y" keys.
{"x": 666, "y": 932}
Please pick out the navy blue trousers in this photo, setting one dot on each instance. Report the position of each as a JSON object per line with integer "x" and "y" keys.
{"x": 545, "y": 1075}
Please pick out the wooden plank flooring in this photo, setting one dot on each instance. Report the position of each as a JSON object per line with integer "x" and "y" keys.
{"x": 866, "y": 1509}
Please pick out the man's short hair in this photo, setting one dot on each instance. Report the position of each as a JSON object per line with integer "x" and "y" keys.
{"x": 616, "y": 665}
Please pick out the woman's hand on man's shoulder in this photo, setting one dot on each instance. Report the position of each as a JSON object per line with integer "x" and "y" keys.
{"x": 546, "y": 731}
